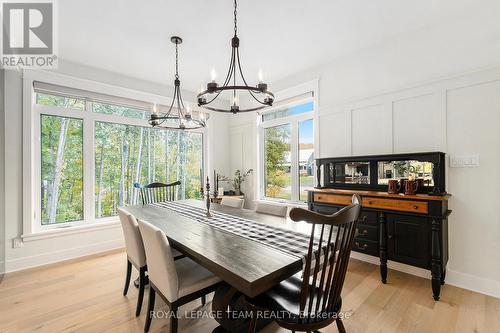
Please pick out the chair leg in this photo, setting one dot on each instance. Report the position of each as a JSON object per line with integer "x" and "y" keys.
{"x": 142, "y": 284}
{"x": 173, "y": 320}
{"x": 203, "y": 300}
{"x": 252, "y": 328}
{"x": 127, "y": 278}
{"x": 340, "y": 326}
{"x": 151, "y": 307}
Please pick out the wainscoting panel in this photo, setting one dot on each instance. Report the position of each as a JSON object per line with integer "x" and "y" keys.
{"x": 336, "y": 137}
{"x": 371, "y": 130}
{"x": 417, "y": 124}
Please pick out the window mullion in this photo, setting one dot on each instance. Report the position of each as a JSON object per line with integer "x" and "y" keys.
{"x": 294, "y": 160}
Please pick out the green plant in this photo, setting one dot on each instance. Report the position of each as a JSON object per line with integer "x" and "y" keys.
{"x": 239, "y": 178}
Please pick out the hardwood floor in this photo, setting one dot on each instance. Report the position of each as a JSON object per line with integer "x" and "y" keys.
{"x": 85, "y": 295}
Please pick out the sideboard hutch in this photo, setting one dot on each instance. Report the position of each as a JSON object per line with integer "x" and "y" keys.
{"x": 410, "y": 229}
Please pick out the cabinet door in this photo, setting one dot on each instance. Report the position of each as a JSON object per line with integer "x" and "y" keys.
{"x": 408, "y": 240}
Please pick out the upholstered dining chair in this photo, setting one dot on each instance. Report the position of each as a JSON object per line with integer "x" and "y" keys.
{"x": 136, "y": 255}
{"x": 176, "y": 282}
{"x": 271, "y": 209}
{"x": 232, "y": 202}
{"x": 312, "y": 304}
{"x": 157, "y": 192}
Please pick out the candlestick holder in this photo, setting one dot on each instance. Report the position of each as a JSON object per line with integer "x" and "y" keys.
{"x": 205, "y": 194}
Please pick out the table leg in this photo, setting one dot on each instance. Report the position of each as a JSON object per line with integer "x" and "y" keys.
{"x": 226, "y": 305}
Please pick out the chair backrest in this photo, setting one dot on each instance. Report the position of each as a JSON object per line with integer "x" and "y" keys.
{"x": 133, "y": 240}
{"x": 157, "y": 192}
{"x": 336, "y": 235}
{"x": 271, "y": 209}
{"x": 232, "y": 202}
{"x": 161, "y": 267}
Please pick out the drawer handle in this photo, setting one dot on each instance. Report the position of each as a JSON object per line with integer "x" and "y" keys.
{"x": 364, "y": 232}
{"x": 370, "y": 202}
{"x": 363, "y": 218}
{"x": 415, "y": 207}
{"x": 364, "y": 247}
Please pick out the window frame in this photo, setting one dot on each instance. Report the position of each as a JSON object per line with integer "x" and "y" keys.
{"x": 32, "y": 113}
{"x": 291, "y": 94}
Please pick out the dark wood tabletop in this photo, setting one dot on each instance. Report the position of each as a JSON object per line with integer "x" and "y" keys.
{"x": 249, "y": 266}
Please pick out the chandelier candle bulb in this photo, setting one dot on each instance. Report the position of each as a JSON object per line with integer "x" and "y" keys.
{"x": 261, "y": 76}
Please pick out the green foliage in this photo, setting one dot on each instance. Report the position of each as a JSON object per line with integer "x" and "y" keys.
{"x": 277, "y": 144}
{"x": 239, "y": 178}
{"x": 69, "y": 194}
{"x": 60, "y": 101}
{"x": 154, "y": 155}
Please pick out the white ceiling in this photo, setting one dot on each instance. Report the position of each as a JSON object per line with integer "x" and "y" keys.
{"x": 282, "y": 37}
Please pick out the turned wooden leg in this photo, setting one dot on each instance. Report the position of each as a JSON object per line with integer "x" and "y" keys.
{"x": 127, "y": 278}
{"x": 436, "y": 267}
{"x": 173, "y": 320}
{"x": 142, "y": 284}
{"x": 151, "y": 308}
{"x": 340, "y": 325}
{"x": 383, "y": 247}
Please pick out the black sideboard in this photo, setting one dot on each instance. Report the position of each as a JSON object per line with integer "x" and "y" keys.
{"x": 410, "y": 229}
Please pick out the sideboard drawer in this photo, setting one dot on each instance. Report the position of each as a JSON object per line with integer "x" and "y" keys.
{"x": 413, "y": 206}
{"x": 324, "y": 209}
{"x": 369, "y": 218}
{"x": 333, "y": 199}
{"x": 365, "y": 246}
{"x": 368, "y": 232}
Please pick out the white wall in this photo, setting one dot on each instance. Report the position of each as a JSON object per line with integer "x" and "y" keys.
{"x": 43, "y": 251}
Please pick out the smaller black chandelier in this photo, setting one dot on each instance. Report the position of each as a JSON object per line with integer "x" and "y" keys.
{"x": 177, "y": 116}
{"x": 259, "y": 93}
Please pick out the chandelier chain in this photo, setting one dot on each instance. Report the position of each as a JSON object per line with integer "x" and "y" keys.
{"x": 235, "y": 19}
{"x": 176, "y": 61}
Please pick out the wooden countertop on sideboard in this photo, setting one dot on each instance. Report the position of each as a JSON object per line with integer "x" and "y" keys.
{"x": 380, "y": 194}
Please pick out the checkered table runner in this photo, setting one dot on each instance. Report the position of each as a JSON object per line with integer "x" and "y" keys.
{"x": 288, "y": 241}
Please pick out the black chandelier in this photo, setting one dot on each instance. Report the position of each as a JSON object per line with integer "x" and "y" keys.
{"x": 178, "y": 116}
{"x": 259, "y": 93}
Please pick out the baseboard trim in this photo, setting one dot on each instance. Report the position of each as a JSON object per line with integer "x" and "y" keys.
{"x": 57, "y": 256}
{"x": 458, "y": 279}
{"x": 474, "y": 283}
{"x": 420, "y": 272}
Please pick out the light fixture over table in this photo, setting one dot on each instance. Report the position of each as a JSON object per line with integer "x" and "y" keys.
{"x": 259, "y": 93}
{"x": 178, "y": 116}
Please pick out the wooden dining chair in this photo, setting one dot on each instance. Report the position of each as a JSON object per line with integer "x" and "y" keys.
{"x": 301, "y": 304}
{"x": 136, "y": 255}
{"x": 157, "y": 192}
{"x": 176, "y": 282}
{"x": 232, "y": 202}
{"x": 271, "y": 209}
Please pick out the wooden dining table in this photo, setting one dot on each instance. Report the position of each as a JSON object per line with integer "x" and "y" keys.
{"x": 247, "y": 267}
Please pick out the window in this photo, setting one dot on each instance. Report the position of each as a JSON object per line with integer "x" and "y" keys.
{"x": 90, "y": 154}
{"x": 61, "y": 169}
{"x": 126, "y": 154}
{"x": 288, "y": 151}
